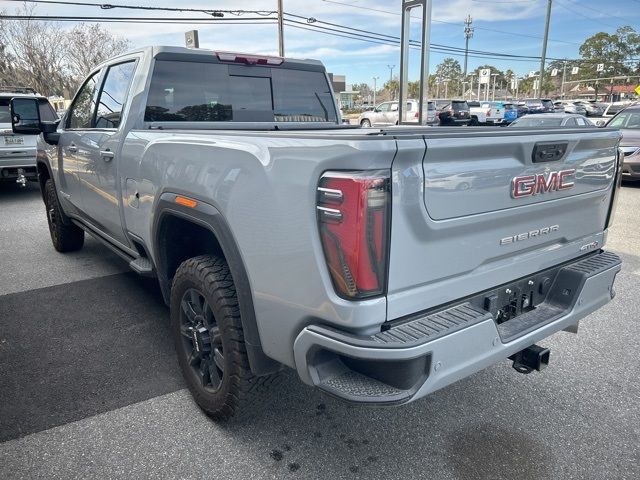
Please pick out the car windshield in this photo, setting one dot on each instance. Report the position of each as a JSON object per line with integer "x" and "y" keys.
{"x": 626, "y": 120}
{"x": 5, "y": 115}
{"x": 547, "y": 103}
{"x": 211, "y": 92}
{"x": 538, "y": 121}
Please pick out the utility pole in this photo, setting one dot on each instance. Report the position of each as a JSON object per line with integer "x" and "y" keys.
{"x": 468, "y": 34}
{"x": 375, "y": 79}
{"x": 544, "y": 46}
{"x": 564, "y": 76}
{"x": 280, "y": 30}
{"x": 391, "y": 67}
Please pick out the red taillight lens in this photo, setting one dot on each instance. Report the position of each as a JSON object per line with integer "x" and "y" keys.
{"x": 353, "y": 219}
{"x": 488, "y": 113}
{"x": 416, "y": 115}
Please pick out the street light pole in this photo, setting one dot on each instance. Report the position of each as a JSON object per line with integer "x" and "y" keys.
{"x": 391, "y": 67}
{"x": 375, "y": 79}
{"x": 544, "y": 47}
{"x": 280, "y": 30}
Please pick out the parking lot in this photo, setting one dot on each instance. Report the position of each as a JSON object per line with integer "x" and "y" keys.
{"x": 90, "y": 388}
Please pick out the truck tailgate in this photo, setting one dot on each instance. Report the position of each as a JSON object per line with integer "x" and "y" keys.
{"x": 473, "y": 211}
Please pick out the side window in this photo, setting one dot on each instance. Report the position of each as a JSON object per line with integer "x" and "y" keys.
{"x": 571, "y": 122}
{"x": 384, "y": 107}
{"x": 82, "y": 109}
{"x": 47, "y": 113}
{"x": 113, "y": 95}
{"x": 581, "y": 122}
{"x": 618, "y": 121}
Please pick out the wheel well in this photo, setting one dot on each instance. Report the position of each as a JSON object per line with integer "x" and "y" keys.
{"x": 43, "y": 176}
{"x": 181, "y": 239}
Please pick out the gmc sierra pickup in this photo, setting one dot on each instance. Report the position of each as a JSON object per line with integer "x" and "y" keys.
{"x": 281, "y": 238}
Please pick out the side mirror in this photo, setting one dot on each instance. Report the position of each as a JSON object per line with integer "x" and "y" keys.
{"x": 25, "y": 116}
{"x": 600, "y": 123}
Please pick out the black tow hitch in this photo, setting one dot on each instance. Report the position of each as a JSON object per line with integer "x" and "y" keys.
{"x": 530, "y": 359}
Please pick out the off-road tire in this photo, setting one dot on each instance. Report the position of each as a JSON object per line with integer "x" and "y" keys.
{"x": 240, "y": 390}
{"x": 65, "y": 238}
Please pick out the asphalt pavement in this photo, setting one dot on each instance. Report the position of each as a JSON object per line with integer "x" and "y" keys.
{"x": 90, "y": 388}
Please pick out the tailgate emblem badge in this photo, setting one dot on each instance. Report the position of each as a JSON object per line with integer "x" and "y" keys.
{"x": 529, "y": 185}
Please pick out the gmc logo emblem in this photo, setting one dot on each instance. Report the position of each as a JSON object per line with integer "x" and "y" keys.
{"x": 530, "y": 185}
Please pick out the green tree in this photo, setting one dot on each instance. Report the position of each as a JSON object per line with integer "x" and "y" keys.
{"x": 448, "y": 71}
{"x": 392, "y": 88}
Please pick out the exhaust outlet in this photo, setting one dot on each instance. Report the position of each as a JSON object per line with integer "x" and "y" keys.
{"x": 530, "y": 359}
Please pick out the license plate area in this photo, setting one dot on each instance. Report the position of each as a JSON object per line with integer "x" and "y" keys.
{"x": 12, "y": 140}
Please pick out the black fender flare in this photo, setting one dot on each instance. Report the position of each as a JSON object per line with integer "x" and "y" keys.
{"x": 210, "y": 218}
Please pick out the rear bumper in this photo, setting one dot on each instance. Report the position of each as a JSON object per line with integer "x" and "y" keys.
{"x": 432, "y": 350}
{"x": 17, "y": 157}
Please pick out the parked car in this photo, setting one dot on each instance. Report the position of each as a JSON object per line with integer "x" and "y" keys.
{"x": 553, "y": 120}
{"x": 486, "y": 113}
{"x": 453, "y": 112}
{"x": 18, "y": 152}
{"x": 538, "y": 105}
{"x": 558, "y": 107}
{"x": 614, "y": 108}
{"x": 628, "y": 121}
{"x": 571, "y": 106}
{"x": 510, "y": 113}
{"x": 522, "y": 109}
{"x": 593, "y": 109}
{"x": 386, "y": 114}
{"x": 282, "y": 239}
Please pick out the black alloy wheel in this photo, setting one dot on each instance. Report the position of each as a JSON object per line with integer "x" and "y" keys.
{"x": 202, "y": 341}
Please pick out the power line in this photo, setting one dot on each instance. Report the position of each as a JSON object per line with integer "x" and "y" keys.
{"x": 505, "y": 32}
{"x": 109, "y": 6}
{"x": 579, "y": 13}
{"x": 247, "y": 20}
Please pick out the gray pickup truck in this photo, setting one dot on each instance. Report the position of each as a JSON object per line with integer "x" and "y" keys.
{"x": 380, "y": 264}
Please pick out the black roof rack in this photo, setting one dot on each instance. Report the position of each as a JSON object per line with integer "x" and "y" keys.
{"x": 14, "y": 89}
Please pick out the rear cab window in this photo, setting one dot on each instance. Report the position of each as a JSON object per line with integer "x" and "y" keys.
{"x": 190, "y": 91}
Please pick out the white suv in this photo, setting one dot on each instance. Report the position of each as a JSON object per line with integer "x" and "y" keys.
{"x": 386, "y": 114}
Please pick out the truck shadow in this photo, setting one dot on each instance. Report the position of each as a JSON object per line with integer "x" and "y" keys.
{"x": 10, "y": 191}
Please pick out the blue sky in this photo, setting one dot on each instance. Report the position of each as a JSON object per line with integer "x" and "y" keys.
{"x": 503, "y": 26}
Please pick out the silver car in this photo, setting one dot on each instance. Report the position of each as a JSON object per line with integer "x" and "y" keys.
{"x": 386, "y": 114}
{"x": 553, "y": 120}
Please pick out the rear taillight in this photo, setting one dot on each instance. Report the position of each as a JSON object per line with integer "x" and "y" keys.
{"x": 616, "y": 187}
{"x": 353, "y": 211}
{"x": 416, "y": 115}
{"x": 488, "y": 113}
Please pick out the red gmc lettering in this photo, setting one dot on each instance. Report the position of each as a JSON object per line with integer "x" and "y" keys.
{"x": 529, "y": 185}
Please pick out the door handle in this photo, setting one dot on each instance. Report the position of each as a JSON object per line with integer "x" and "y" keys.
{"x": 72, "y": 148}
{"x": 107, "y": 155}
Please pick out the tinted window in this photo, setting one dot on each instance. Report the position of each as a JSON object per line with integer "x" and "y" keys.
{"x": 84, "y": 105}
{"x": 209, "y": 92}
{"x": 113, "y": 95}
{"x": 457, "y": 105}
{"x": 5, "y": 114}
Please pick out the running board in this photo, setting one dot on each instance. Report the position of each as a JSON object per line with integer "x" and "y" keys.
{"x": 141, "y": 265}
